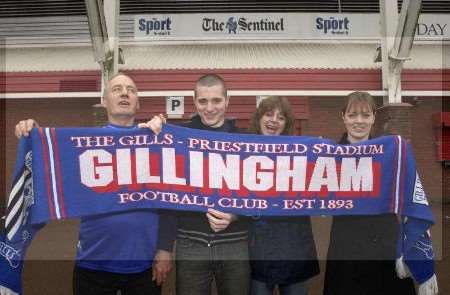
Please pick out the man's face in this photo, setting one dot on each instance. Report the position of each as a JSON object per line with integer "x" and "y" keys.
{"x": 121, "y": 99}
{"x": 211, "y": 105}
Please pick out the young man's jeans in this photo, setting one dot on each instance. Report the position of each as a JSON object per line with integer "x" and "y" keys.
{"x": 197, "y": 265}
{"x": 261, "y": 288}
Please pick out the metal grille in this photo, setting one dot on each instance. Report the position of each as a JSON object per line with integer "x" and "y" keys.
{"x": 14, "y": 8}
{"x": 202, "y": 6}
{"x": 54, "y": 29}
{"x": 199, "y": 6}
{"x": 39, "y": 8}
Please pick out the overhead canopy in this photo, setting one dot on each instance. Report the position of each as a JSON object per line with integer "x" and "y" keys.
{"x": 222, "y": 56}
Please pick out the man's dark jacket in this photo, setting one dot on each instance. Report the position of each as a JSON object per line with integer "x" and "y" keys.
{"x": 194, "y": 225}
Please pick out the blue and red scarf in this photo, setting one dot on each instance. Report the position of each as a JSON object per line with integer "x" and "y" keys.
{"x": 71, "y": 173}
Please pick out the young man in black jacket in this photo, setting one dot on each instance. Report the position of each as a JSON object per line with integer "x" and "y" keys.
{"x": 211, "y": 246}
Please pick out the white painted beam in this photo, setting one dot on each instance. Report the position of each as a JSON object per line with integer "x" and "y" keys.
{"x": 187, "y": 93}
{"x": 388, "y": 25}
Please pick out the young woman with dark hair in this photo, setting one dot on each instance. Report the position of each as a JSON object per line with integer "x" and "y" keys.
{"x": 281, "y": 249}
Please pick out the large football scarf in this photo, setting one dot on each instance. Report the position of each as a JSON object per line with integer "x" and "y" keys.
{"x": 71, "y": 173}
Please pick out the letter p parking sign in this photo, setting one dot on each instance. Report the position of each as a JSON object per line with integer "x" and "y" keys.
{"x": 175, "y": 106}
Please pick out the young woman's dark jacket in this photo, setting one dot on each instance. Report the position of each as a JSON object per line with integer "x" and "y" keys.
{"x": 361, "y": 255}
{"x": 195, "y": 225}
{"x": 282, "y": 250}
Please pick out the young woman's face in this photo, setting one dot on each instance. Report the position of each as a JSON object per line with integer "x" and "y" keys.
{"x": 272, "y": 122}
{"x": 358, "y": 120}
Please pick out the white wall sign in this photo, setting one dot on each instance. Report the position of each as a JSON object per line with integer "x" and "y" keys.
{"x": 294, "y": 26}
{"x": 175, "y": 105}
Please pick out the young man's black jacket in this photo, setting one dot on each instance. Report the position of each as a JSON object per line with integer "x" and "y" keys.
{"x": 194, "y": 225}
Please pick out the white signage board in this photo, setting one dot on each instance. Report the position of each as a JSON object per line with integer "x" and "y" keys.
{"x": 175, "y": 105}
{"x": 276, "y": 26}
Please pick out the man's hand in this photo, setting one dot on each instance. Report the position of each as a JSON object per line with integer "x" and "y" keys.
{"x": 162, "y": 264}
{"x": 7, "y": 291}
{"x": 219, "y": 221}
{"x": 155, "y": 124}
{"x": 24, "y": 127}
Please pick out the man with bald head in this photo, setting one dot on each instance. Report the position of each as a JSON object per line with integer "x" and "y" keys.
{"x": 116, "y": 251}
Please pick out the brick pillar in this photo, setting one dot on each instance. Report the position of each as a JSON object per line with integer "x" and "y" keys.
{"x": 394, "y": 118}
{"x": 100, "y": 116}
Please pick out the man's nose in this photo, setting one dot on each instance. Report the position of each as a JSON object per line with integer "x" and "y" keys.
{"x": 209, "y": 107}
{"x": 124, "y": 92}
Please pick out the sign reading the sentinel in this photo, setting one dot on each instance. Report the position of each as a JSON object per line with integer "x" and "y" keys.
{"x": 215, "y": 26}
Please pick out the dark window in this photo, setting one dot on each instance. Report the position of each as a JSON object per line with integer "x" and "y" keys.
{"x": 39, "y": 8}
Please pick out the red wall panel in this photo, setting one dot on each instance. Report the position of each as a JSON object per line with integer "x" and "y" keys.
{"x": 292, "y": 79}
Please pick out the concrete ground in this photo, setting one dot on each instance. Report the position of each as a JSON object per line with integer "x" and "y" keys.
{"x": 48, "y": 269}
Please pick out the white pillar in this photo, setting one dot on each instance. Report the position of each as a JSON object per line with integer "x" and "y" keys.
{"x": 394, "y": 55}
{"x": 112, "y": 18}
{"x": 388, "y": 25}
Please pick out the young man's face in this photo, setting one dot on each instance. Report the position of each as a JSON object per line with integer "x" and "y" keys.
{"x": 121, "y": 100}
{"x": 211, "y": 105}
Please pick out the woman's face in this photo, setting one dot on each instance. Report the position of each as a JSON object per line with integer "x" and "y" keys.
{"x": 272, "y": 122}
{"x": 358, "y": 120}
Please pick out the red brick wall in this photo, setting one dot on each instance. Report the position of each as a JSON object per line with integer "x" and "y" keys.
{"x": 325, "y": 117}
{"x": 446, "y": 184}
{"x": 394, "y": 119}
{"x": 424, "y": 142}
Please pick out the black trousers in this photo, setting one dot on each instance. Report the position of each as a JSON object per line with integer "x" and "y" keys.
{"x": 365, "y": 278}
{"x": 93, "y": 282}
